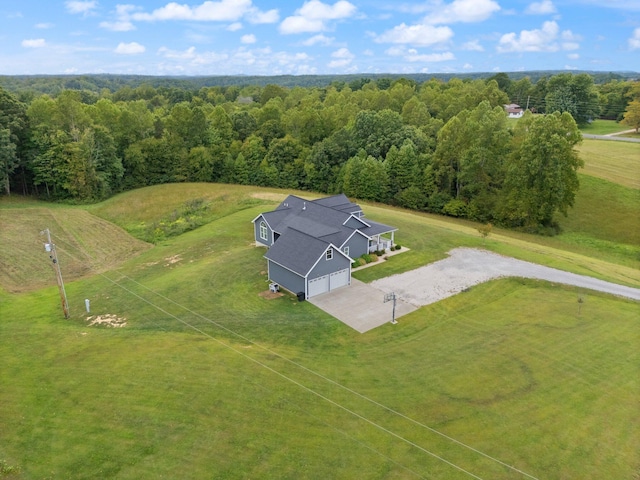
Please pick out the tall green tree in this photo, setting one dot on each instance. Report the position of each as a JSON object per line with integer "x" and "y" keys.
{"x": 365, "y": 177}
{"x": 8, "y": 158}
{"x": 575, "y": 94}
{"x": 541, "y": 177}
{"x": 632, "y": 115}
{"x": 13, "y": 131}
{"x": 469, "y": 158}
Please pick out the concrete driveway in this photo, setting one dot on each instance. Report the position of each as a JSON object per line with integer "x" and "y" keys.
{"x": 360, "y": 306}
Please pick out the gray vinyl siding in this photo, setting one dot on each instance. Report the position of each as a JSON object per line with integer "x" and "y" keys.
{"x": 256, "y": 233}
{"x": 286, "y": 278}
{"x": 325, "y": 267}
{"x": 358, "y": 245}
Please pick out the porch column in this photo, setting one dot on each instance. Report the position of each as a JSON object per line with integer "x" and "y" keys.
{"x": 392, "y": 237}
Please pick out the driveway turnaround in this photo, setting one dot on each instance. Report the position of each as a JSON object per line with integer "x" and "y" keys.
{"x": 466, "y": 267}
{"x": 361, "y": 306}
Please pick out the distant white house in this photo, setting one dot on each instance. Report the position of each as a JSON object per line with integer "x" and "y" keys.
{"x": 513, "y": 110}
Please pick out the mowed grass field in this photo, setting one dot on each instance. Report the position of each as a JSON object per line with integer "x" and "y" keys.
{"x": 512, "y": 379}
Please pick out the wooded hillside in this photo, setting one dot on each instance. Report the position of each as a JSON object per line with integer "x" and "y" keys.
{"x": 443, "y": 147}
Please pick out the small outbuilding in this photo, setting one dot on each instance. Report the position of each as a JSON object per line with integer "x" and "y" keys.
{"x": 513, "y": 110}
{"x": 312, "y": 243}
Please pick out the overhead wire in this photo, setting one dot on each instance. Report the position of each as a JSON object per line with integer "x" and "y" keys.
{"x": 295, "y": 382}
{"x": 308, "y": 370}
{"x": 333, "y": 382}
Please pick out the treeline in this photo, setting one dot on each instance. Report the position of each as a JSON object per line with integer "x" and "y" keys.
{"x": 443, "y": 147}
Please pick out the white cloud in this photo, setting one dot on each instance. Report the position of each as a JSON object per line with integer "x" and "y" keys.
{"x": 416, "y": 35}
{"x": 412, "y": 55}
{"x": 132, "y": 48}
{"x": 573, "y": 56}
{"x": 123, "y": 19}
{"x": 256, "y": 16}
{"x": 541, "y": 8}
{"x": 538, "y": 40}
{"x": 342, "y": 56}
{"x": 44, "y": 26}
{"x": 83, "y": 7}
{"x": 250, "y": 38}
{"x": 467, "y": 66}
{"x": 235, "y": 27}
{"x": 34, "y": 43}
{"x": 570, "y": 67}
{"x": 209, "y": 11}
{"x": 464, "y": 11}
{"x": 185, "y": 55}
{"x": 314, "y": 15}
{"x": 634, "y": 41}
{"x": 319, "y": 39}
{"x": 472, "y": 46}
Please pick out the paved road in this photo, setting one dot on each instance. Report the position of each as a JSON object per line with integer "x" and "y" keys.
{"x": 612, "y": 137}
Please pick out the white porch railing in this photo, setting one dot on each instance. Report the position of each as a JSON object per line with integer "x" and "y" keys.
{"x": 383, "y": 244}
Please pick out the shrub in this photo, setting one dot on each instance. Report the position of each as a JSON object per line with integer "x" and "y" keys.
{"x": 455, "y": 208}
{"x": 361, "y": 261}
{"x": 367, "y": 257}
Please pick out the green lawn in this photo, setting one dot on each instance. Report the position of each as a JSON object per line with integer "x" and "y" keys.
{"x": 603, "y": 127}
{"x": 617, "y": 162}
{"x": 209, "y": 380}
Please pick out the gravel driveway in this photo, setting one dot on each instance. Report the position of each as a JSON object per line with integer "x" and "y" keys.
{"x": 466, "y": 267}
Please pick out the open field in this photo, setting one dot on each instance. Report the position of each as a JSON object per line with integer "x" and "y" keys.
{"x": 603, "y": 127}
{"x": 91, "y": 245}
{"x": 513, "y": 379}
{"x": 617, "y": 162}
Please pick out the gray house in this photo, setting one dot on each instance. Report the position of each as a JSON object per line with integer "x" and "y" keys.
{"x": 312, "y": 243}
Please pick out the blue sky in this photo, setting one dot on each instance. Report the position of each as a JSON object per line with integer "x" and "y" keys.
{"x": 269, "y": 37}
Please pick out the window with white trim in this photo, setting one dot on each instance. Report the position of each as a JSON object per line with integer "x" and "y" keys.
{"x": 330, "y": 254}
{"x": 263, "y": 231}
{"x": 346, "y": 251}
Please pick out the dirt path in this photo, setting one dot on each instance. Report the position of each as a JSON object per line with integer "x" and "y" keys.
{"x": 467, "y": 267}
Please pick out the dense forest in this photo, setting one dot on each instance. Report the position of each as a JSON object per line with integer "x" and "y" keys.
{"x": 437, "y": 146}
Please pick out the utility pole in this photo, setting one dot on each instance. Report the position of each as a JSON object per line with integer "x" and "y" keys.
{"x": 51, "y": 249}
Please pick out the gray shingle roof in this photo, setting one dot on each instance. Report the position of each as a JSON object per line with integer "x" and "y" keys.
{"x": 296, "y": 251}
{"x": 322, "y": 219}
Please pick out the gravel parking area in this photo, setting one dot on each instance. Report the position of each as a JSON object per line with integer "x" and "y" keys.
{"x": 466, "y": 267}
{"x": 361, "y": 305}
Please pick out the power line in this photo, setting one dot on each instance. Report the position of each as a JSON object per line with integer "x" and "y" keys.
{"x": 333, "y": 382}
{"x": 295, "y": 382}
{"x": 308, "y": 370}
{"x": 50, "y": 247}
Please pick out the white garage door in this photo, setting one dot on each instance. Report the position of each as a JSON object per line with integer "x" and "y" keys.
{"x": 318, "y": 285}
{"x": 339, "y": 279}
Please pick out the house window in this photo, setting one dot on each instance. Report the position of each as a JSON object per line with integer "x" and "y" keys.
{"x": 263, "y": 231}
{"x": 330, "y": 254}
{"x": 346, "y": 251}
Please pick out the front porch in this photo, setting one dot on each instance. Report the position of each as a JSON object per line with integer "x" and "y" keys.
{"x": 380, "y": 243}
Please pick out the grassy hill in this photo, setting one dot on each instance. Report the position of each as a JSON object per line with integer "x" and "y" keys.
{"x": 512, "y": 379}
